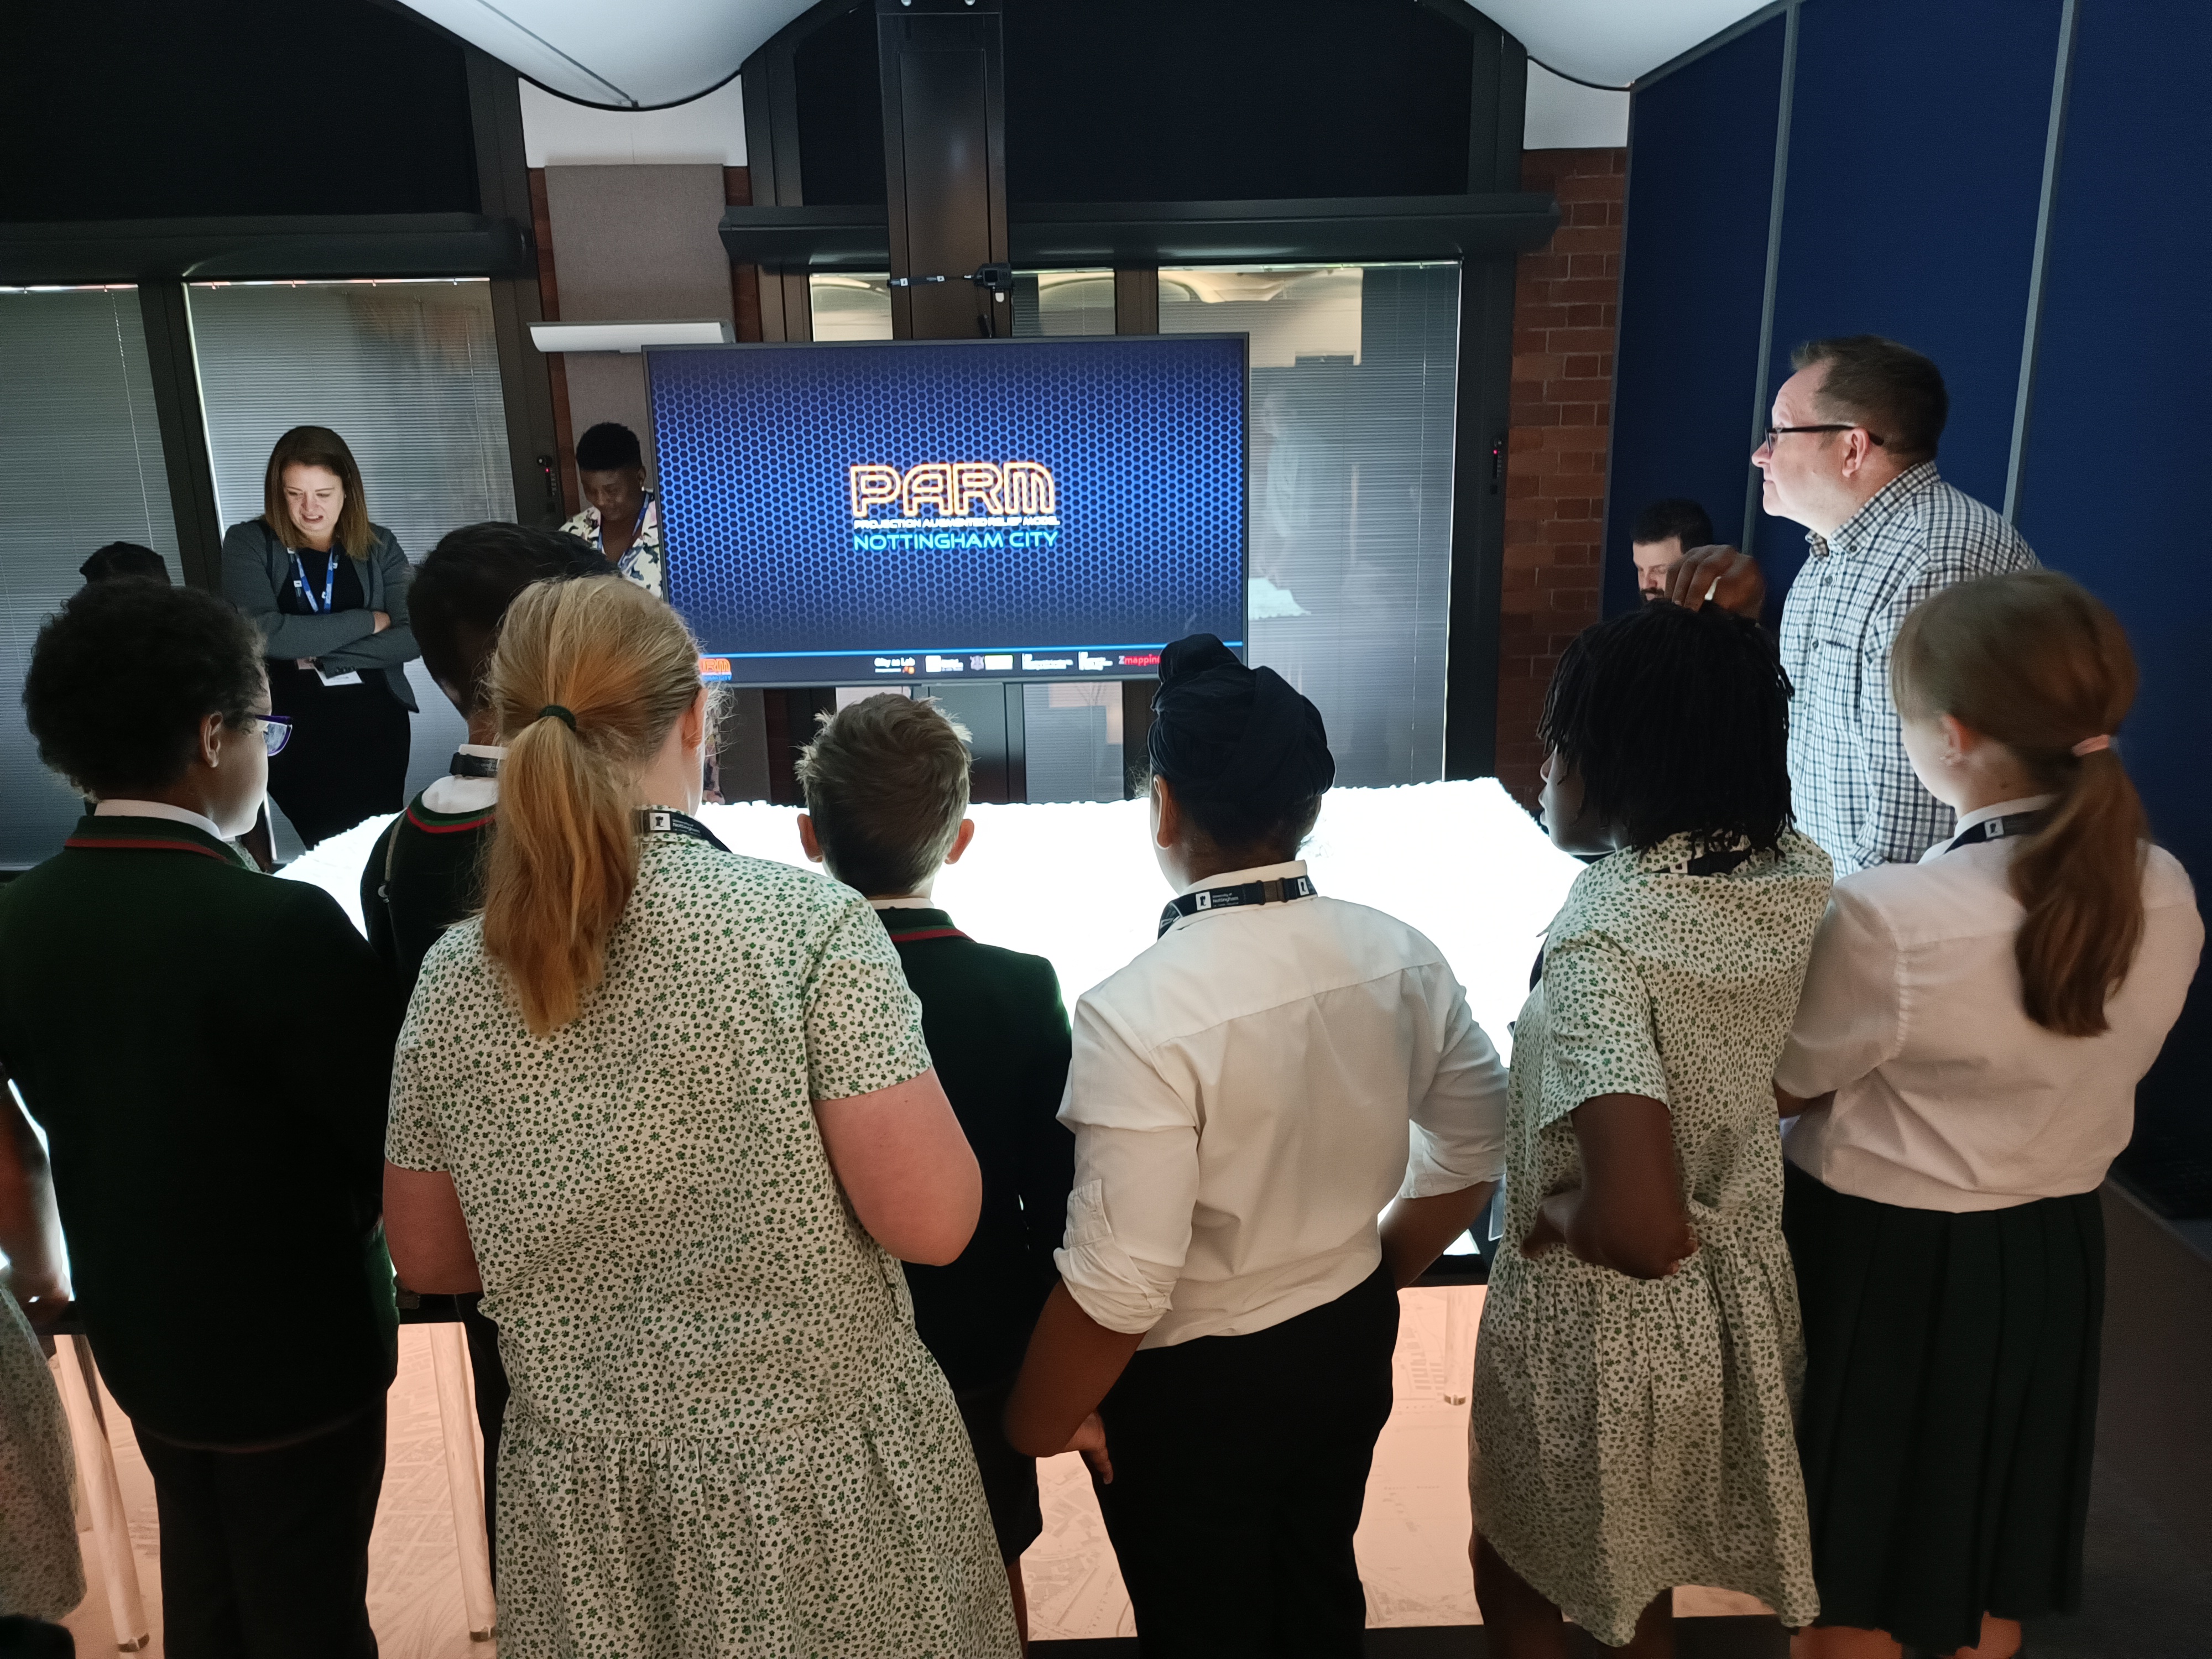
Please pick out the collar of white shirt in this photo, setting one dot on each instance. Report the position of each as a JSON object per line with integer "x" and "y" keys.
{"x": 905, "y": 901}
{"x": 156, "y": 809}
{"x": 1983, "y": 815}
{"x": 450, "y": 795}
{"x": 1238, "y": 877}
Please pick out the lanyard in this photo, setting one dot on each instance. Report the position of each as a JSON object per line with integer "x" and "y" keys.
{"x": 1278, "y": 891}
{"x": 666, "y": 821}
{"x": 306, "y": 594}
{"x": 2011, "y": 825}
{"x": 472, "y": 766}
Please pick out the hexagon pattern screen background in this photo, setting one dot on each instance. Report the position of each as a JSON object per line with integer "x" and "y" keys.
{"x": 1122, "y": 528}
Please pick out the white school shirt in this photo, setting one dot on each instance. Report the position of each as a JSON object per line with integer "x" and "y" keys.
{"x": 1246, "y": 1097}
{"x": 1948, "y": 1096}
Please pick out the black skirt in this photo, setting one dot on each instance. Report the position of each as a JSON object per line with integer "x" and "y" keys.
{"x": 1950, "y": 1407}
{"x": 347, "y": 760}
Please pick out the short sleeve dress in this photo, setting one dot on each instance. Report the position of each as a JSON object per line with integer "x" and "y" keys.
{"x": 1630, "y": 1435}
{"x": 724, "y": 1436}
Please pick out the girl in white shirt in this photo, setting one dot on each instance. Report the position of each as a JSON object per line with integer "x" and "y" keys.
{"x": 1964, "y": 1066}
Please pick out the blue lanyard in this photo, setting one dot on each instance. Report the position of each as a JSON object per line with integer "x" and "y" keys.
{"x": 306, "y": 594}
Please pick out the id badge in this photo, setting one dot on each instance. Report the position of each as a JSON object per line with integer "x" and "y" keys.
{"x": 350, "y": 678}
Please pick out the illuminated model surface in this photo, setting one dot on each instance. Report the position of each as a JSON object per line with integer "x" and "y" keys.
{"x": 1075, "y": 882}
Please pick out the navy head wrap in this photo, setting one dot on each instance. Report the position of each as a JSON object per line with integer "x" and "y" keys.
{"x": 1222, "y": 731}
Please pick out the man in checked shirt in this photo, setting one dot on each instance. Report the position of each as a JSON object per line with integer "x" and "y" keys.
{"x": 1851, "y": 456}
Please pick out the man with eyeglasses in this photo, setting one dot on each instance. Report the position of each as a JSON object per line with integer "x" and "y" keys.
{"x": 1851, "y": 456}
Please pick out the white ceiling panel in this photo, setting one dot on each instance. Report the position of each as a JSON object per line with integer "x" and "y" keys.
{"x": 643, "y": 54}
{"x": 1612, "y": 42}
{"x": 651, "y": 54}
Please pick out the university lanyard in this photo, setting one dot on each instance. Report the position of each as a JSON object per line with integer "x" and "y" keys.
{"x": 1277, "y": 891}
{"x": 472, "y": 766}
{"x": 306, "y": 594}
{"x": 666, "y": 821}
{"x": 2003, "y": 829}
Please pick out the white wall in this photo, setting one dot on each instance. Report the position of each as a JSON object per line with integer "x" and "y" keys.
{"x": 1565, "y": 115}
{"x": 557, "y": 133}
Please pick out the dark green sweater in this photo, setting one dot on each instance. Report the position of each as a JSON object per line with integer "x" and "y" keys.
{"x": 210, "y": 1052}
{"x": 424, "y": 874}
{"x": 998, "y": 1035}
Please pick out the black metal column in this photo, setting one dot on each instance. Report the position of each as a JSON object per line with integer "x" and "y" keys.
{"x": 184, "y": 431}
{"x": 526, "y": 377}
{"x": 943, "y": 70}
{"x": 1478, "y": 556}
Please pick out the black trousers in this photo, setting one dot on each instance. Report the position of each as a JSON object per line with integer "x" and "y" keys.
{"x": 265, "y": 1554}
{"x": 1240, "y": 1467}
{"x": 348, "y": 757}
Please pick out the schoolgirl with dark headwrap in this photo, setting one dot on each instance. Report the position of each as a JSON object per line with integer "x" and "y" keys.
{"x": 1246, "y": 1097}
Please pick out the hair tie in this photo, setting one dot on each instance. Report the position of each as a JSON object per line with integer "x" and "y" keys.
{"x": 2094, "y": 745}
{"x": 558, "y": 714}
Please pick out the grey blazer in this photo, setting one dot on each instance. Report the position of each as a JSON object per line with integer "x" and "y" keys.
{"x": 256, "y": 565}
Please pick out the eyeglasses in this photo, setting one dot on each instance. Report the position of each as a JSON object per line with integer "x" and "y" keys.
{"x": 276, "y": 731}
{"x": 1774, "y": 432}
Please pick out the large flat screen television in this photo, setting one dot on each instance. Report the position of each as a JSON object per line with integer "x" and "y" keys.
{"x": 850, "y": 513}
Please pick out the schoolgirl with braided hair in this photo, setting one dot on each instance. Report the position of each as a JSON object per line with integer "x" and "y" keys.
{"x": 1963, "y": 1072}
{"x": 1631, "y": 1423}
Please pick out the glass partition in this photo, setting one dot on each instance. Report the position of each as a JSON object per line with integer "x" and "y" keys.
{"x": 407, "y": 372}
{"x": 1063, "y": 303}
{"x": 80, "y": 467}
{"x": 850, "y": 308}
{"x": 1072, "y": 736}
{"x": 1353, "y": 371}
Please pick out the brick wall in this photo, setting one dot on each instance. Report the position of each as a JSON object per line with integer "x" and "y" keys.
{"x": 1566, "y": 307}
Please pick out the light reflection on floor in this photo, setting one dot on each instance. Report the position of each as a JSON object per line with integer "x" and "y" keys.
{"x": 1412, "y": 1543}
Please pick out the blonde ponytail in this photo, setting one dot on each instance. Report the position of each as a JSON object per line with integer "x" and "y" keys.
{"x": 588, "y": 677}
{"x": 2037, "y": 662}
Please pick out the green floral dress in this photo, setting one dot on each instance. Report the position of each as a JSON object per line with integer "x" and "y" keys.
{"x": 725, "y": 1437}
{"x": 1630, "y": 1435}
{"x": 41, "y": 1573}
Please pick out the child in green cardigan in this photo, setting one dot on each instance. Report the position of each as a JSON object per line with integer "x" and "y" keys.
{"x": 886, "y": 783}
{"x": 209, "y": 1052}
{"x": 422, "y": 875}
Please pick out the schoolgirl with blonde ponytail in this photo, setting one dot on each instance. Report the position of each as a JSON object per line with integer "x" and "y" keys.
{"x": 1962, "y": 1072}
{"x": 670, "y": 1109}
{"x": 589, "y": 681}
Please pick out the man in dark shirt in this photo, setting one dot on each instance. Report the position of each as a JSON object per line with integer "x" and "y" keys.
{"x": 209, "y": 1052}
{"x": 422, "y": 876}
{"x": 886, "y": 783}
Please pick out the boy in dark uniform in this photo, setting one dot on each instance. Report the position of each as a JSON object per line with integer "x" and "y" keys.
{"x": 886, "y": 783}
{"x": 422, "y": 875}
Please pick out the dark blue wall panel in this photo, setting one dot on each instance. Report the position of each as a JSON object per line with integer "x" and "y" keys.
{"x": 2112, "y": 488}
{"x": 1701, "y": 177}
{"x": 1914, "y": 176}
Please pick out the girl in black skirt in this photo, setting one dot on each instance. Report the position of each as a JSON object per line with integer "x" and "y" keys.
{"x": 328, "y": 589}
{"x": 1963, "y": 1067}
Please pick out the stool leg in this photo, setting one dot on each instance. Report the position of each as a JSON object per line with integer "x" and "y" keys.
{"x": 1463, "y": 1316}
{"x": 96, "y": 1465}
{"x": 449, "y": 1359}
